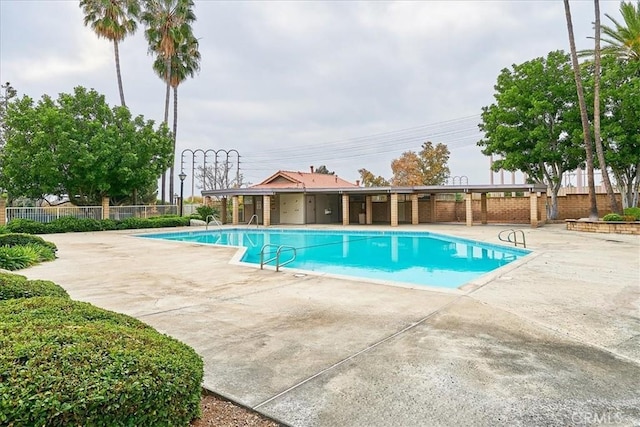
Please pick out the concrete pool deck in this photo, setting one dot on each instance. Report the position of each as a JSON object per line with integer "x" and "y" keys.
{"x": 553, "y": 341}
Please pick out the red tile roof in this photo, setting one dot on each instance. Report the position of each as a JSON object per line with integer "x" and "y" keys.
{"x": 290, "y": 179}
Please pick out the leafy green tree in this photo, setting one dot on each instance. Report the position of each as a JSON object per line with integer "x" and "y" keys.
{"x": 168, "y": 25}
{"x": 368, "y": 179}
{"x": 113, "y": 20}
{"x": 77, "y": 145}
{"x": 534, "y": 124}
{"x": 7, "y": 92}
{"x": 621, "y": 124}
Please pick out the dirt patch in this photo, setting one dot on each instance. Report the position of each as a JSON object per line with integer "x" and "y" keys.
{"x": 222, "y": 413}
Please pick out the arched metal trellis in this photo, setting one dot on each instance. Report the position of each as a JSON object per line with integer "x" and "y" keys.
{"x": 219, "y": 159}
{"x": 460, "y": 180}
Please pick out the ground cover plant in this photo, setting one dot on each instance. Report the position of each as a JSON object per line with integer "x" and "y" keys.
{"x": 19, "y": 250}
{"x": 14, "y": 286}
{"x": 65, "y": 362}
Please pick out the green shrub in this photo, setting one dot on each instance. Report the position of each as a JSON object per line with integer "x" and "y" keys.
{"x": 69, "y": 363}
{"x": 109, "y": 224}
{"x": 18, "y": 257}
{"x": 634, "y": 212}
{"x": 70, "y": 223}
{"x": 4, "y": 229}
{"x": 612, "y": 217}
{"x": 16, "y": 286}
{"x": 169, "y": 221}
{"x": 29, "y": 226}
{"x": 204, "y": 211}
{"x": 21, "y": 239}
{"x": 133, "y": 223}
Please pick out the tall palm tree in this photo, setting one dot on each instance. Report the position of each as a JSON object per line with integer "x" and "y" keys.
{"x": 613, "y": 203}
{"x": 113, "y": 20}
{"x": 623, "y": 40}
{"x": 184, "y": 63}
{"x": 586, "y": 131}
{"x": 168, "y": 23}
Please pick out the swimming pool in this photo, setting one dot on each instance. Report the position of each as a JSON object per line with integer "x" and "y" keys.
{"x": 414, "y": 258}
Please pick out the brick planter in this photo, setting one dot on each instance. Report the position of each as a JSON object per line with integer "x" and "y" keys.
{"x": 618, "y": 227}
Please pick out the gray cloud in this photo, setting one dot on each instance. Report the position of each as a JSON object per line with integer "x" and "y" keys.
{"x": 291, "y": 84}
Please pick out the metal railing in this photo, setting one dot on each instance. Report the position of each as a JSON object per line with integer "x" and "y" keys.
{"x": 141, "y": 211}
{"x": 512, "y": 237}
{"x": 276, "y": 257}
{"x": 211, "y": 218}
{"x": 47, "y": 214}
{"x": 254, "y": 216}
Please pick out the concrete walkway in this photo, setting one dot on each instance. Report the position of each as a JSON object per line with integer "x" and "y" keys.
{"x": 555, "y": 341}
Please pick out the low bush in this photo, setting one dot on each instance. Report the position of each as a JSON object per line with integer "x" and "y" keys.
{"x": 71, "y": 224}
{"x": 69, "y": 363}
{"x": 19, "y": 257}
{"x": 16, "y": 286}
{"x": 204, "y": 211}
{"x": 612, "y": 217}
{"x": 633, "y": 212}
{"x": 18, "y": 239}
{"x": 29, "y": 226}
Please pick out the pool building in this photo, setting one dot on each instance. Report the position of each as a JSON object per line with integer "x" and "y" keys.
{"x": 299, "y": 198}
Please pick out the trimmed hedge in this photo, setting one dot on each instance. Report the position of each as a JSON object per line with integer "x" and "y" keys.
{"x": 23, "y": 239}
{"x": 71, "y": 224}
{"x": 65, "y": 363}
{"x": 612, "y": 217}
{"x": 14, "y": 286}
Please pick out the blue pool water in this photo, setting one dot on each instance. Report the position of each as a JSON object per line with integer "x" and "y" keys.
{"x": 415, "y": 258}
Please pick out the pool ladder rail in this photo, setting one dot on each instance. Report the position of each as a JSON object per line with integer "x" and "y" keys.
{"x": 276, "y": 258}
{"x": 512, "y": 237}
{"x": 254, "y": 216}
{"x": 214, "y": 220}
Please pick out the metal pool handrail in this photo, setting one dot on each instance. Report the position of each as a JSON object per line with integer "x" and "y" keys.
{"x": 254, "y": 216}
{"x": 213, "y": 219}
{"x": 512, "y": 237}
{"x": 277, "y": 256}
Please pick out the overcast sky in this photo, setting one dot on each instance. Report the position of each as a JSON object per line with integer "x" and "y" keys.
{"x": 291, "y": 84}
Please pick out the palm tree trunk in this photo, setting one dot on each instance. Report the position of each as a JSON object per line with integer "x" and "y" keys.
{"x": 116, "y": 51}
{"x": 166, "y": 122}
{"x": 175, "y": 132}
{"x": 613, "y": 203}
{"x": 593, "y": 211}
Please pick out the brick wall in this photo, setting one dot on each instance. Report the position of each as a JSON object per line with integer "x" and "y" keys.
{"x": 574, "y": 206}
{"x": 509, "y": 209}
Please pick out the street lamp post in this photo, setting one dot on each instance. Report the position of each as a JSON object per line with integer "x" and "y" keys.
{"x": 182, "y": 176}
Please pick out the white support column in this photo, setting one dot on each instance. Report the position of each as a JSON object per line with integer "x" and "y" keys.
{"x": 533, "y": 208}
{"x": 266, "y": 210}
{"x": 369, "y": 209}
{"x": 415, "y": 211}
{"x": 394, "y": 209}
{"x": 345, "y": 209}
{"x": 235, "y": 214}
{"x": 483, "y": 207}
